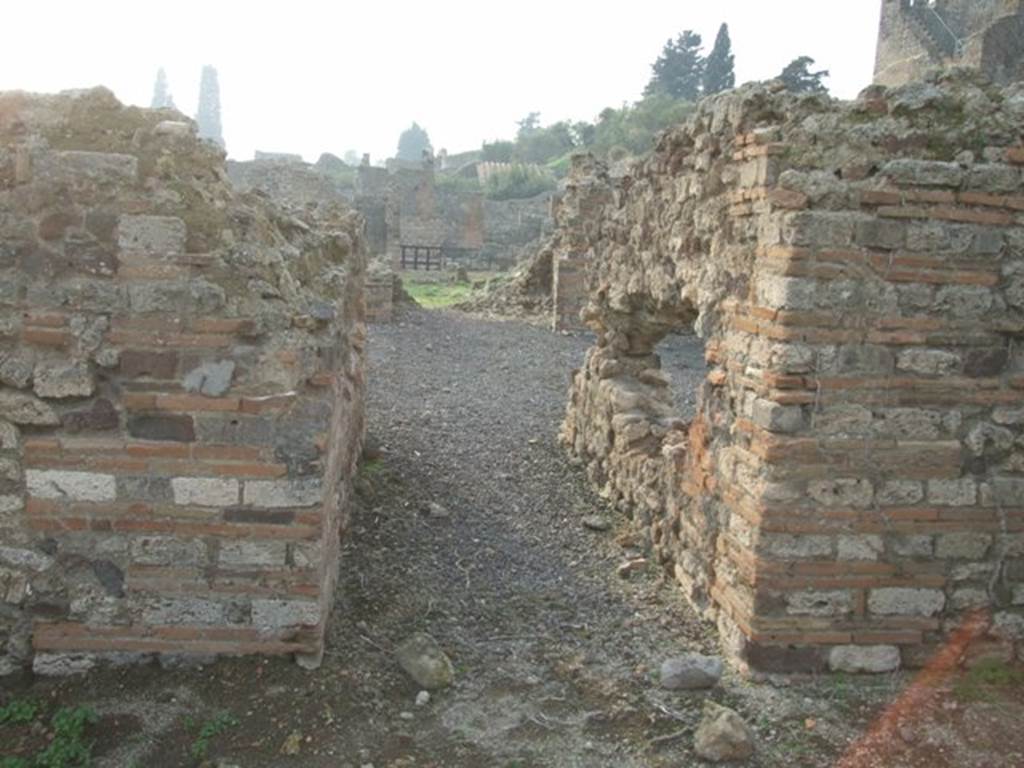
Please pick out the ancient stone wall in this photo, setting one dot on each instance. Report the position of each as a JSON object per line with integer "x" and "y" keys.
{"x": 181, "y": 394}
{"x": 918, "y": 35}
{"x": 853, "y": 483}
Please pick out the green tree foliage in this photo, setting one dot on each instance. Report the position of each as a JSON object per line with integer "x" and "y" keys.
{"x": 208, "y": 112}
{"x": 798, "y": 77}
{"x": 529, "y": 125}
{"x": 679, "y": 71}
{"x": 632, "y": 128}
{"x": 541, "y": 145}
{"x": 517, "y": 182}
{"x": 498, "y": 152}
{"x": 719, "y": 68}
{"x": 412, "y": 144}
{"x": 161, "y": 92}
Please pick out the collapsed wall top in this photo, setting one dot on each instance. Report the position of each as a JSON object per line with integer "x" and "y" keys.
{"x": 180, "y": 391}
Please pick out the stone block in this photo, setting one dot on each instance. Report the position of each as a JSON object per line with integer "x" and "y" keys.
{"x": 842, "y": 492}
{"x": 834, "y": 602}
{"x": 881, "y": 233}
{"x": 136, "y": 364}
{"x": 199, "y": 296}
{"x": 28, "y": 559}
{"x": 167, "y": 550}
{"x": 962, "y": 546}
{"x": 278, "y": 614}
{"x": 786, "y": 545}
{"x": 860, "y": 547}
{"x": 899, "y": 493}
{"x": 156, "y": 235}
{"x": 16, "y": 369}
{"x": 205, "y": 491}
{"x": 212, "y": 379}
{"x": 10, "y": 437}
{"x": 265, "y": 554}
{"x": 100, "y": 416}
{"x": 178, "y": 428}
{"x": 928, "y": 362}
{"x": 923, "y": 173}
{"x": 905, "y": 601}
{"x": 857, "y": 659}
{"x": 777, "y": 418}
{"x": 962, "y": 492}
{"x": 19, "y": 408}
{"x": 183, "y": 610}
{"x": 912, "y": 545}
{"x": 65, "y": 485}
{"x": 283, "y": 493}
{"x": 63, "y": 379}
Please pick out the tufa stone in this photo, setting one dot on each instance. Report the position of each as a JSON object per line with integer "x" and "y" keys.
{"x": 723, "y": 735}
{"x": 425, "y": 662}
{"x": 690, "y": 672}
{"x": 62, "y": 380}
{"x": 26, "y": 409}
{"x": 210, "y": 379}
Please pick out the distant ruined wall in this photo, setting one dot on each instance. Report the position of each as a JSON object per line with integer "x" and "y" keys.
{"x": 852, "y": 486}
{"x": 918, "y": 35}
{"x": 181, "y": 394}
{"x": 291, "y": 183}
{"x": 514, "y": 224}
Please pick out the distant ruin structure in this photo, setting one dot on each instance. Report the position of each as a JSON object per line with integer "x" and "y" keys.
{"x": 852, "y": 486}
{"x": 181, "y": 394}
{"x": 918, "y": 35}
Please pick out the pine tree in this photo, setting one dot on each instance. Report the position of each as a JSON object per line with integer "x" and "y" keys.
{"x": 679, "y": 70}
{"x": 719, "y": 68}
{"x": 412, "y": 144}
{"x": 161, "y": 92}
{"x": 208, "y": 113}
{"x": 798, "y": 77}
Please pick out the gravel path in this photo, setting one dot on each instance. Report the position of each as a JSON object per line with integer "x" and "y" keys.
{"x": 524, "y": 598}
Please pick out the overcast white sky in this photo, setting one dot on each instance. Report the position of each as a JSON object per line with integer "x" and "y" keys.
{"x": 312, "y": 77}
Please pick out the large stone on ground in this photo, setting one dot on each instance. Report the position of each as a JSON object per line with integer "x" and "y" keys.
{"x": 424, "y": 661}
{"x": 723, "y": 735}
{"x": 690, "y": 672}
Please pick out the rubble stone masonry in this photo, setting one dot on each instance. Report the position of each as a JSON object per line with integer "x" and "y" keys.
{"x": 852, "y": 486}
{"x": 181, "y": 394}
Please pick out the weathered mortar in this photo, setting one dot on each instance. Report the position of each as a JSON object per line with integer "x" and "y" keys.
{"x": 181, "y": 393}
{"x": 854, "y": 480}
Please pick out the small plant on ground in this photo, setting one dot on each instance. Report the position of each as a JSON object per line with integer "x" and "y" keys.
{"x": 67, "y": 749}
{"x": 18, "y": 711}
{"x": 212, "y": 728}
{"x": 986, "y": 679}
{"x": 438, "y": 295}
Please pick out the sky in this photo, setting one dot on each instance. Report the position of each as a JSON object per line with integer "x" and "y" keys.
{"x": 311, "y": 77}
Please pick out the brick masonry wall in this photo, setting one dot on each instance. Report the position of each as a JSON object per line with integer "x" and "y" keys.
{"x": 181, "y": 392}
{"x": 853, "y": 484}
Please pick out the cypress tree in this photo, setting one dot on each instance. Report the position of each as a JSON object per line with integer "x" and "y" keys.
{"x": 679, "y": 71}
{"x": 161, "y": 92}
{"x": 208, "y": 112}
{"x": 719, "y": 69}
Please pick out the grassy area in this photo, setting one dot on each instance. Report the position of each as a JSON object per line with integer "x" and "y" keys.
{"x": 437, "y": 295}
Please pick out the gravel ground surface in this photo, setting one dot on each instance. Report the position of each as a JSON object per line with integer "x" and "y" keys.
{"x": 468, "y": 527}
